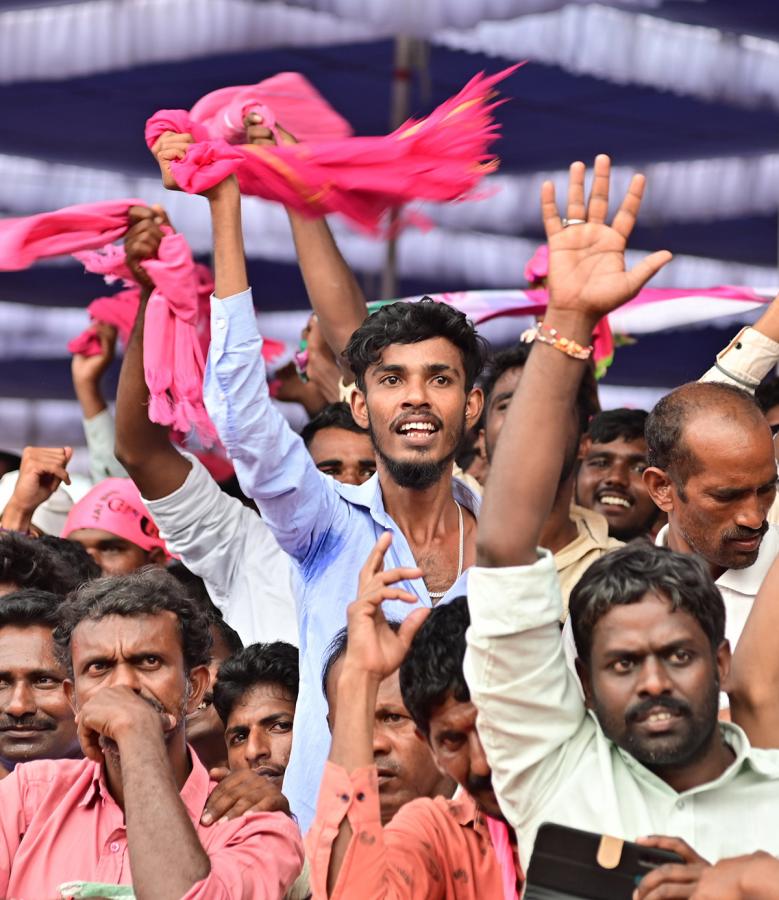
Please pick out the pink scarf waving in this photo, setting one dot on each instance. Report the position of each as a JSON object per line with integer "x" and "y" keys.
{"x": 84, "y": 227}
{"x": 441, "y": 157}
{"x": 119, "y": 310}
{"x": 287, "y": 97}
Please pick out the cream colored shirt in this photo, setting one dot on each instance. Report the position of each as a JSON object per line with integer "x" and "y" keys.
{"x": 575, "y": 558}
{"x": 550, "y": 760}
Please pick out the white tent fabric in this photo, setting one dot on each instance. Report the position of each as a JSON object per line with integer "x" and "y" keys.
{"x": 633, "y": 48}
{"x": 65, "y": 41}
{"x": 410, "y": 17}
{"x": 473, "y": 258}
{"x": 624, "y": 46}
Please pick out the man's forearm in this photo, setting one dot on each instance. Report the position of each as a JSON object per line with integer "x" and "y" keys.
{"x": 89, "y": 396}
{"x": 528, "y": 459}
{"x": 229, "y": 261}
{"x": 335, "y": 295}
{"x": 143, "y": 446}
{"x": 166, "y": 856}
{"x": 352, "y": 747}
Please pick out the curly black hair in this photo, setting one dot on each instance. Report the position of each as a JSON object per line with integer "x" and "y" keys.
{"x": 148, "y": 591}
{"x": 626, "y": 575}
{"x": 272, "y": 663}
{"x": 46, "y": 564}
{"x": 411, "y": 323}
{"x": 433, "y": 667}
{"x": 30, "y": 606}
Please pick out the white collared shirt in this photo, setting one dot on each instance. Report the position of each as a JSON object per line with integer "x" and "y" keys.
{"x": 739, "y": 587}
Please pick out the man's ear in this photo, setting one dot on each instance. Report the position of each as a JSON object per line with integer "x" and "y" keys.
{"x": 583, "y": 671}
{"x": 585, "y": 445}
{"x": 157, "y": 557}
{"x": 70, "y": 694}
{"x": 481, "y": 444}
{"x": 660, "y": 488}
{"x": 474, "y": 404}
{"x": 199, "y": 678}
{"x": 359, "y": 407}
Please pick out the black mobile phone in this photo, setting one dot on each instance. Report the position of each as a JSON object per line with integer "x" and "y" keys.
{"x": 569, "y": 864}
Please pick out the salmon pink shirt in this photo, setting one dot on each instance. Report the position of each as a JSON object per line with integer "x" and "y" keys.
{"x": 59, "y": 824}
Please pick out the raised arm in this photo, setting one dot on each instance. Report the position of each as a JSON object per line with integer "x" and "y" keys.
{"x": 342, "y": 865}
{"x": 273, "y": 466}
{"x": 335, "y": 295}
{"x": 587, "y": 280}
{"x": 752, "y": 354}
{"x": 753, "y": 683}
{"x": 142, "y": 446}
{"x": 532, "y": 719}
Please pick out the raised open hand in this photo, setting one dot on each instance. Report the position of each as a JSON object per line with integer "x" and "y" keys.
{"x": 372, "y": 646}
{"x": 586, "y": 255}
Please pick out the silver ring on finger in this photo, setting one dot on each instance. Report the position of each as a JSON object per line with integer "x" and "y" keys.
{"x": 567, "y": 222}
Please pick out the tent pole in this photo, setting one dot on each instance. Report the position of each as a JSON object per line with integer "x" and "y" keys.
{"x": 399, "y": 111}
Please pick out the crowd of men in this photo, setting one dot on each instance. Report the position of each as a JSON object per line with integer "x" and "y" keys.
{"x": 463, "y": 603}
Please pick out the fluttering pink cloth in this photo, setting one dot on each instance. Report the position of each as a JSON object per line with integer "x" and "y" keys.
{"x": 115, "y": 505}
{"x": 83, "y": 227}
{"x": 441, "y": 157}
{"x": 537, "y": 267}
{"x": 287, "y": 97}
{"x": 119, "y": 310}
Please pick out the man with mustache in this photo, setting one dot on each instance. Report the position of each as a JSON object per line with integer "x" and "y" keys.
{"x": 609, "y": 480}
{"x": 712, "y": 469}
{"x": 136, "y": 650}
{"x": 255, "y": 694}
{"x": 405, "y": 767}
{"x": 644, "y": 750}
{"x": 415, "y": 366}
{"x": 36, "y": 720}
{"x": 433, "y": 848}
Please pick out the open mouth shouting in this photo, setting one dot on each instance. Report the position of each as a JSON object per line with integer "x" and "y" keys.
{"x": 418, "y": 429}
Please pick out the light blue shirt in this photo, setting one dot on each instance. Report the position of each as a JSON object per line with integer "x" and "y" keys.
{"x": 328, "y": 528}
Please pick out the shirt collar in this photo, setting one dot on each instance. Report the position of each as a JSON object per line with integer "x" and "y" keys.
{"x": 194, "y": 794}
{"x": 369, "y": 495}
{"x": 743, "y": 581}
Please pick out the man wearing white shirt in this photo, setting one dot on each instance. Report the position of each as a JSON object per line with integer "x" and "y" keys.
{"x": 712, "y": 470}
{"x": 644, "y": 753}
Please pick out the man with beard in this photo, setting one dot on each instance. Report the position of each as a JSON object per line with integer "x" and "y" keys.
{"x": 576, "y": 535}
{"x": 128, "y": 814}
{"x": 36, "y": 720}
{"x": 644, "y": 750}
{"x": 712, "y": 470}
{"x": 433, "y": 848}
{"x": 613, "y": 456}
{"x": 415, "y": 366}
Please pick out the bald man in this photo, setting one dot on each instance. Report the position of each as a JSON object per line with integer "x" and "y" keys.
{"x": 712, "y": 470}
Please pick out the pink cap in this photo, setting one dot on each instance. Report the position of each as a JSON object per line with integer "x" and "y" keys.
{"x": 114, "y": 505}
{"x": 538, "y": 266}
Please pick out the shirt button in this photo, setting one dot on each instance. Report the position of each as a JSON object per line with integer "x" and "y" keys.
{"x": 680, "y": 804}
{"x": 220, "y": 323}
{"x": 114, "y": 847}
{"x": 345, "y": 798}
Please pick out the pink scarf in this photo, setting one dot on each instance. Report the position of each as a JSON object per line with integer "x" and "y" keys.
{"x": 84, "y": 227}
{"x": 119, "y": 310}
{"x": 504, "y": 852}
{"x": 442, "y": 157}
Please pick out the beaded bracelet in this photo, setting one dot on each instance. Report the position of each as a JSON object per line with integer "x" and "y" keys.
{"x": 551, "y": 336}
